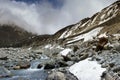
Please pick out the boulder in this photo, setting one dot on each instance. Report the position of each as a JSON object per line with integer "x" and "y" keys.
{"x": 23, "y": 64}
{"x": 101, "y": 43}
{"x": 56, "y": 76}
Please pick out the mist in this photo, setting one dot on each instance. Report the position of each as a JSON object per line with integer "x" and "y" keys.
{"x": 44, "y": 18}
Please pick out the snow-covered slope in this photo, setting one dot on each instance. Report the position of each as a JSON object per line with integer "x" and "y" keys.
{"x": 107, "y": 21}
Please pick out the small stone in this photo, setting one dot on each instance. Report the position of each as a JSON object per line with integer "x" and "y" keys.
{"x": 16, "y": 67}
{"x": 39, "y": 66}
{"x": 111, "y": 64}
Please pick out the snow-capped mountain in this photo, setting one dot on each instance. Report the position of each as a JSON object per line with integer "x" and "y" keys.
{"x": 105, "y": 22}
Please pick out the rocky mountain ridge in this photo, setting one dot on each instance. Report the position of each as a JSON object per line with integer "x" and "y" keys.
{"x": 107, "y": 20}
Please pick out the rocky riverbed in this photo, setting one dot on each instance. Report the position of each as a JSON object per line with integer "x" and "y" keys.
{"x": 52, "y": 61}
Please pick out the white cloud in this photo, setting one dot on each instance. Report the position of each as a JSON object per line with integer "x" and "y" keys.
{"x": 43, "y": 18}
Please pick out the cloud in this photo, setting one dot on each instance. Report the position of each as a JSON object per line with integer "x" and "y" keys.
{"x": 43, "y": 18}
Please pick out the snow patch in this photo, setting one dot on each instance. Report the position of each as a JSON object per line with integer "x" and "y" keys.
{"x": 62, "y": 36}
{"x": 94, "y": 20}
{"x": 104, "y": 20}
{"x": 48, "y": 46}
{"x": 29, "y": 48}
{"x": 85, "y": 23}
{"x": 87, "y": 36}
{"x": 87, "y": 70}
{"x": 69, "y": 33}
{"x": 102, "y": 17}
{"x": 102, "y": 35}
{"x": 117, "y": 36}
{"x": 59, "y": 47}
{"x": 110, "y": 11}
{"x": 65, "y": 52}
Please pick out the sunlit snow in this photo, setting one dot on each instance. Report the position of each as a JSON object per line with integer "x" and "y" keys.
{"x": 87, "y": 36}
{"x": 65, "y": 52}
{"x": 87, "y": 70}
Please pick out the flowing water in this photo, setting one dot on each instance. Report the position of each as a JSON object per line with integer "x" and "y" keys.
{"x": 29, "y": 74}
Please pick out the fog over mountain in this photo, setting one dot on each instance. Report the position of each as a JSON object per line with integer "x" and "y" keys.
{"x": 43, "y": 17}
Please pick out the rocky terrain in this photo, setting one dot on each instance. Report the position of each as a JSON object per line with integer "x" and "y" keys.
{"x": 27, "y": 56}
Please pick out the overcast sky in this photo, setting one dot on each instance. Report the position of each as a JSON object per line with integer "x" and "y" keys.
{"x": 48, "y": 16}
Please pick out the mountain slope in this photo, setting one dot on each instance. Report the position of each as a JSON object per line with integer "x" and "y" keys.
{"x": 105, "y": 22}
{"x": 14, "y": 36}
{"x": 11, "y": 34}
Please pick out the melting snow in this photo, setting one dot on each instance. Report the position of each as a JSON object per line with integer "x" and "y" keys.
{"x": 85, "y": 23}
{"x": 104, "y": 20}
{"x": 94, "y": 20}
{"x": 87, "y": 36}
{"x": 62, "y": 36}
{"x": 65, "y": 52}
{"x": 102, "y": 17}
{"x": 48, "y": 46}
{"x": 102, "y": 35}
{"x": 87, "y": 70}
{"x": 110, "y": 11}
{"x": 59, "y": 47}
{"x": 29, "y": 48}
{"x": 117, "y": 36}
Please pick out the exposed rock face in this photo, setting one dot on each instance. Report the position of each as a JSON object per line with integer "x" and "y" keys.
{"x": 108, "y": 20}
{"x": 14, "y": 36}
{"x": 101, "y": 43}
{"x": 11, "y": 35}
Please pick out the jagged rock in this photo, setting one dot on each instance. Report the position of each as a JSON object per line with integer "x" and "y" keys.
{"x": 101, "y": 43}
